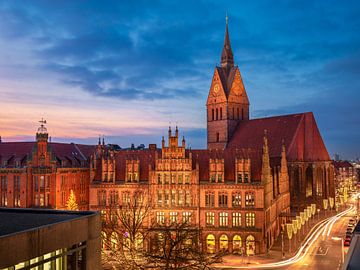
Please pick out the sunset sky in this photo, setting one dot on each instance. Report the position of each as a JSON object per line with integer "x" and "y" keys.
{"x": 126, "y": 69}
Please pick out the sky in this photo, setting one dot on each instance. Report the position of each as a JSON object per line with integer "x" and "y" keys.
{"x": 127, "y": 70}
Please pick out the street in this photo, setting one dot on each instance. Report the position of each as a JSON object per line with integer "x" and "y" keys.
{"x": 321, "y": 250}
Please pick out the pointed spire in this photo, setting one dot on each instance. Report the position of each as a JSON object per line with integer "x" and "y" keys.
{"x": 227, "y": 57}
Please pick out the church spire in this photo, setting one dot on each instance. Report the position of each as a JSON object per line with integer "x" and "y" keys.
{"x": 227, "y": 57}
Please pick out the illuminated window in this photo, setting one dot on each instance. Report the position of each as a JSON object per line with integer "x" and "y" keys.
{"x": 236, "y": 219}
{"x": 186, "y": 217}
{"x": 223, "y": 219}
{"x": 180, "y": 179}
{"x": 173, "y": 217}
{"x": 160, "y": 217}
{"x": 3, "y": 194}
{"x": 210, "y": 219}
{"x": 167, "y": 198}
{"x": 250, "y": 219}
{"x": 249, "y": 199}
{"x": 236, "y": 199}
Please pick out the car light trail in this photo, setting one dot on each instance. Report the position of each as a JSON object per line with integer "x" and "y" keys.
{"x": 322, "y": 227}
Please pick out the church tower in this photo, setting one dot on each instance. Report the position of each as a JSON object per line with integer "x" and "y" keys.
{"x": 227, "y": 104}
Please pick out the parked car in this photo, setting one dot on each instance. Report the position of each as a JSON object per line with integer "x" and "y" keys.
{"x": 347, "y": 243}
{"x": 348, "y": 233}
{"x": 348, "y": 237}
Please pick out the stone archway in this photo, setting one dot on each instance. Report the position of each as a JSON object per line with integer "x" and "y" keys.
{"x": 309, "y": 182}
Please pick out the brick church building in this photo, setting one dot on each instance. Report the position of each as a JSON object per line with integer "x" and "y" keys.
{"x": 238, "y": 191}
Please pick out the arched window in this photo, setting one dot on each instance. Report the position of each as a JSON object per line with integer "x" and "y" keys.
{"x": 217, "y": 114}
{"x": 224, "y": 242}
{"x": 210, "y": 243}
{"x": 139, "y": 242}
{"x": 233, "y": 113}
{"x": 237, "y": 244}
{"x": 309, "y": 182}
{"x": 250, "y": 245}
{"x": 237, "y": 113}
{"x": 212, "y": 114}
{"x": 217, "y": 137}
{"x": 114, "y": 241}
{"x": 103, "y": 240}
{"x": 242, "y": 113}
{"x": 220, "y": 113}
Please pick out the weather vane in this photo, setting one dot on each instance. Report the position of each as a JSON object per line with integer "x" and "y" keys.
{"x": 42, "y": 121}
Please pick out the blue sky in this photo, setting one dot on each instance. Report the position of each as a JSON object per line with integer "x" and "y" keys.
{"x": 128, "y": 69}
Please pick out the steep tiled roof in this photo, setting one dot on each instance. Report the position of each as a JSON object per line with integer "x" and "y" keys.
{"x": 227, "y": 76}
{"x": 73, "y": 154}
{"x": 11, "y": 151}
{"x": 299, "y": 133}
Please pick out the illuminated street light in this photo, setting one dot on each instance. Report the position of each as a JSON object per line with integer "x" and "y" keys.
{"x": 289, "y": 233}
{"x": 331, "y": 201}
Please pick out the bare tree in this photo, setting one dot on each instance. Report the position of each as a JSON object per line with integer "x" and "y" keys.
{"x": 178, "y": 246}
{"x": 125, "y": 234}
{"x": 171, "y": 246}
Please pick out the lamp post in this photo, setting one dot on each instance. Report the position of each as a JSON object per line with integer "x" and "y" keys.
{"x": 295, "y": 229}
{"x": 325, "y": 205}
{"x": 318, "y": 211}
{"x": 289, "y": 233}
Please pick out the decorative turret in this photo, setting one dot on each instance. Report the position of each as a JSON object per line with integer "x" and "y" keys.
{"x": 284, "y": 176}
{"x": 42, "y": 134}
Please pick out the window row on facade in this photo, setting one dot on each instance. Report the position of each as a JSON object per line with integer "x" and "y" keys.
{"x": 246, "y": 246}
{"x": 164, "y": 178}
{"x": 4, "y": 191}
{"x": 113, "y": 198}
{"x": 173, "y": 217}
{"x": 236, "y": 219}
{"x": 173, "y": 197}
{"x": 224, "y": 199}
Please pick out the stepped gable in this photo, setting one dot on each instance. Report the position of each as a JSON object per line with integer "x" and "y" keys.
{"x": 299, "y": 132}
{"x": 202, "y": 157}
{"x": 146, "y": 157}
{"x": 11, "y": 151}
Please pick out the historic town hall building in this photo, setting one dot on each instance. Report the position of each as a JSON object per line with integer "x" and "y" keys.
{"x": 238, "y": 191}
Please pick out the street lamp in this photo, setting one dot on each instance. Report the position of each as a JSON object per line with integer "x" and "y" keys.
{"x": 289, "y": 233}
{"x": 318, "y": 211}
{"x": 331, "y": 202}
{"x": 282, "y": 241}
{"x": 295, "y": 229}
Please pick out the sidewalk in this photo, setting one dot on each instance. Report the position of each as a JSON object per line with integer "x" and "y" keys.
{"x": 275, "y": 254}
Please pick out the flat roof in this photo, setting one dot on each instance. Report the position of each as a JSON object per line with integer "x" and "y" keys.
{"x": 14, "y": 220}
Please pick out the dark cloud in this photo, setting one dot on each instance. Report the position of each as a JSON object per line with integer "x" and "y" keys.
{"x": 294, "y": 55}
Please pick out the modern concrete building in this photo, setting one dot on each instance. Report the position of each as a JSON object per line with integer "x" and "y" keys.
{"x": 49, "y": 239}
